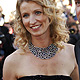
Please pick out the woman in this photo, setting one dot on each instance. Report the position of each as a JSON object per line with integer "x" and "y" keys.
{"x": 41, "y": 36}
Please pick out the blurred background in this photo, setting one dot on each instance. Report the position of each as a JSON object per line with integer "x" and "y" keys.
{"x": 8, "y": 8}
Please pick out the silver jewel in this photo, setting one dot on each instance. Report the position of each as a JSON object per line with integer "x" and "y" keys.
{"x": 43, "y": 53}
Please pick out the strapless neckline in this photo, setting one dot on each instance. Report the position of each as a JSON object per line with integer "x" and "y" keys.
{"x": 45, "y": 77}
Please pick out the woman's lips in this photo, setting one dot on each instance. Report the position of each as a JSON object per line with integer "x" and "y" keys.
{"x": 35, "y": 27}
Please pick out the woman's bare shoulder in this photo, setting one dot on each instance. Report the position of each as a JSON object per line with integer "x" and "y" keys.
{"x": 11, "y": 64}
{"x": 69, "y": 46}
{"x": 69, "y": 49}
{"x": 14, "y": 57}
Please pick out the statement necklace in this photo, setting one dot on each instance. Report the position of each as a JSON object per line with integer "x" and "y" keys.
{"x": 43, "y": 53}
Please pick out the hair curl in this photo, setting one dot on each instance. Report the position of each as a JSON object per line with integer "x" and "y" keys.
{"x": 58, "y": 31}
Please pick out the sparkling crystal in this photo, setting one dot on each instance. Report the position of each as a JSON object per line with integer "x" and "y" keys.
{"x": 43, "y": 53}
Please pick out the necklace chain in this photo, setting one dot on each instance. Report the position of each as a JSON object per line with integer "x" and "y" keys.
{"x": 43, "y": 53}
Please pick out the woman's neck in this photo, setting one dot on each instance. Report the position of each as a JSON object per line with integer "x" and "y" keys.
{"x": 42, "y": 41}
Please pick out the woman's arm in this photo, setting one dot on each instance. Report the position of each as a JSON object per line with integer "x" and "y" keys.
{"x": 9, "y": 69}
{"x": 75, "y": 73}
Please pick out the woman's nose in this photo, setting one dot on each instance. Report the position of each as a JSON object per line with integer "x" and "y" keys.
{"x": 32, "y": 19}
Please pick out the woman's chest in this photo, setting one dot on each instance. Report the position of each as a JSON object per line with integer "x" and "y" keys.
{"x": 56, "y": 65}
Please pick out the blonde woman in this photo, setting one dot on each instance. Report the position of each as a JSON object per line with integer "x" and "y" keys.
{"x": 41, "y": 36}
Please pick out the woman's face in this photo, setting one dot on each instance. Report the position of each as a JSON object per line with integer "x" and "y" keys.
{"x": 33, "y": 18}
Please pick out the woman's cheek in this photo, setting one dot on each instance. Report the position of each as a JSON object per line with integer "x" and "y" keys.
{"x": 42, "y": 18}
{"x": 25, "y": 22}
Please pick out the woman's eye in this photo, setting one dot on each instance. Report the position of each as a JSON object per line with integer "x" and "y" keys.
{"x": 25, "y": 15}
{"x": 38, "y": 12}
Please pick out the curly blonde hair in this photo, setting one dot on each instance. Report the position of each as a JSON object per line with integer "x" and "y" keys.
{"x": 58, "y": 31}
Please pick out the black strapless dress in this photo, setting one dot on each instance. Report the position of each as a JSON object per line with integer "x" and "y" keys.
{"x": 44, "y": 77}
